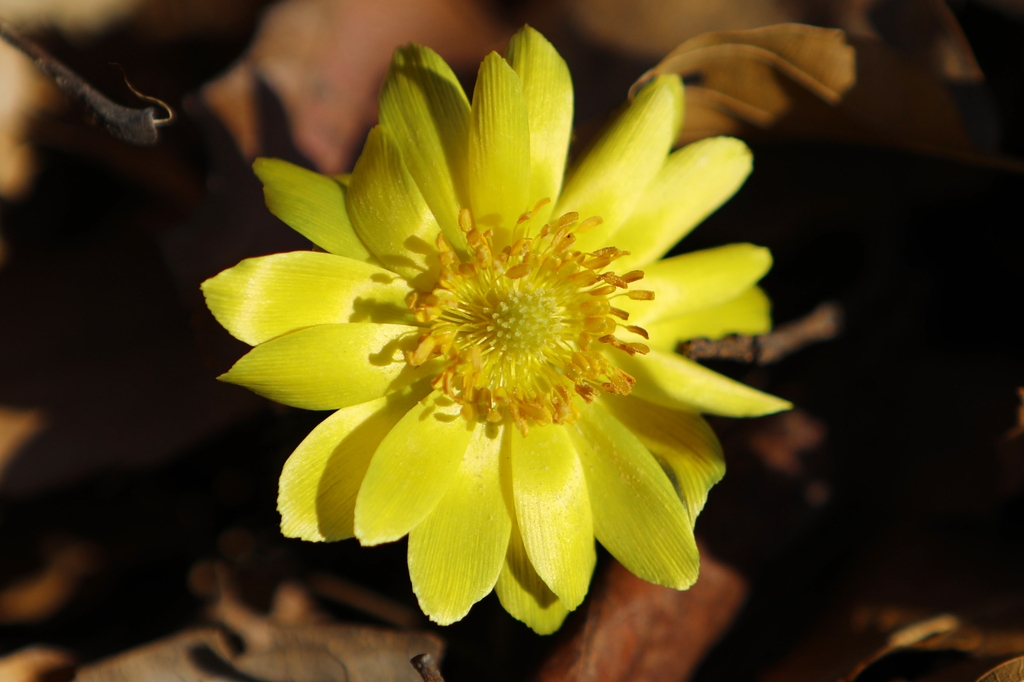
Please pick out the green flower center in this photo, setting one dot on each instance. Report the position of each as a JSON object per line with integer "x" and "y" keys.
{"x": 524, "y": 322}
{"x": 521, "y": 330}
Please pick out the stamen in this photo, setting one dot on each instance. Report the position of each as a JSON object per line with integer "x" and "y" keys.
{"x": 514, "y": 330}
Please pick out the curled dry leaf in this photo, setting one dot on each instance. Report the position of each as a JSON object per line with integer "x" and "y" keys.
{"x": 944, "y": 632}
{"x": 633, "y": 630}
{"x": 802, "y": 82}
{"x": 35, "y": 664}
{"x": 924, "y": 30}
{"x": 1011, "y": 671}
{"x": 325, "y": 60}
{"x": 892, "y": 100}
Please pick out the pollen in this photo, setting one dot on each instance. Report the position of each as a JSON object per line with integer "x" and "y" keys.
{"x": 522, "y": 331}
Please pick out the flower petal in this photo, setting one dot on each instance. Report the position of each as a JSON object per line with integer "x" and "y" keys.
{"x": 692, "y": 184}
{"x": 426, "y": 113}
{"x": 523, "y": 594}
{"x": 330, "y": 365}
{"x": 317, "y": 492}
{"x": 553, "y": 511}
{"x": 748, "y": 313}
{"x": 547, "y": 88}
{"x": 682, "y": 442}
{"x": 456, "y": 553}
{"x": 311, "y": 204}
{"x": 261, "y": 298}
{"x": 679, "y": 383}
{"x": 499, "y": 149}
{"x": 389, "y": 213}
{"x": 411, "y": 470}
{"x": 615, "y": 172}
{"x": 695, "y": 281}
{"x": 638, "y": 517}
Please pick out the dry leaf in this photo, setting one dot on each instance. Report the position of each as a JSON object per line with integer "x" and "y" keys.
{"x": 172, "y": 19}
{"x": 22, "y": 91}
{"x": 34, "y": 663}
{"x": 190, "y": 656}
{"x": 923, "y": 30}
{"x": 944, "y": 632}
{"x": 793, "y": 81}
{"x": 781, "y": 439}
{"x": 633, "y": 630}
{"x": 289, "y": 645}
{"x": 1011, "y": 671}
{"x": 17, "y": 427}
{"x": 325, "y": 60}
{"x": 80, "y": 17}
{"x": 37, "y": 597}
{"x": 358, "y": 597}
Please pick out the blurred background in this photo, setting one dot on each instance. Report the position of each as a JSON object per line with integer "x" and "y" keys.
{"x": 136, "y": 491}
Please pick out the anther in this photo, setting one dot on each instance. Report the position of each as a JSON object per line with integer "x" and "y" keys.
{"x": 518, "y": 271}
{"x": 466, "y": 220}
{"x": 568, "y": 219}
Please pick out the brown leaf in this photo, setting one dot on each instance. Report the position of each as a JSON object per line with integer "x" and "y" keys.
{"x": 1011, "y": 671}
{"x": 34, "y": 663}
{"x": 174, "y": 19}
{"x": 192, "y": 656}
{"x": 23, "y": 90}
{"x": 926, "y": 31}
{"x": 358, "y": 597}
{"x": 17, "y": 427}
{"x": 793, "y": 81}
{"x": 783, "y": 438}
{"x": 325, "y": 60}
{"x": 944, "y": 632}
{"x": 272, "y": 650}
{"x": 37, "y": 597}
{"x": 633, "y": 630}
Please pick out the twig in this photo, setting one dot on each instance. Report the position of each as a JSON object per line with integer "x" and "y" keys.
{"x": 135, "y": 126}
{"x": 427, "y": 668}
{"x": 358, "y": 597}
{"x": 823, "y": 323}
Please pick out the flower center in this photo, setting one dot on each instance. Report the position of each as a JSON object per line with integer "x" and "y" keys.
{"x": 522, "y": 330}
{"x": 524, "y": 322}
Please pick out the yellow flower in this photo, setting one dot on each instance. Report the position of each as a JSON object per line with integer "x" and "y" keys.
{"x": 498, "y": 345}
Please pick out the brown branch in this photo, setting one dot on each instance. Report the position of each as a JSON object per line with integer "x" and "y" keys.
{"x": 136, "y": 126}
{"x": 824, "y": 323}
{"x": 427, "y": 668}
